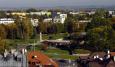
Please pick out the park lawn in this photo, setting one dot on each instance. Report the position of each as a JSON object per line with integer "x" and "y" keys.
{"x": 62, "y": 56}
{"x": 59, "y": 54}
{"x": 82, "y": 51}
{"x": 56, "y": 51}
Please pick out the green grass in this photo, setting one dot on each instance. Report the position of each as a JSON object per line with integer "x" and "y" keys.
{"x": 56, "y": 51}
{"x": 82, "y": 51}
{"x": 59, "y": 54}
{"x": 62, "y": 56}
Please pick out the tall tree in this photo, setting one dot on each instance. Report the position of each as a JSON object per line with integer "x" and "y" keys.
{"x": 100, "y": 34}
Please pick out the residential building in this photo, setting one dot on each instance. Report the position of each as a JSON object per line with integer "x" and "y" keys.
{"x": 91, "y": 12}
{"x": 6, "y": 20}
{"x": 74, "y": 13}
{"x": 38, "y": 59}
{"x": 19, "y": 13}
{"x": 47, "y": 20}
{"x": 41, "y": 13}
{"x": 60, "y": 18}
{"x": 113, "y": 55}
{"x": 111, "y": 12}
{"x": 63, "y": 17}
{"x": 34, "y": 22}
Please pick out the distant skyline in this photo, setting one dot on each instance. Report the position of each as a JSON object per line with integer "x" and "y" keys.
{"x": 54, "y": 3}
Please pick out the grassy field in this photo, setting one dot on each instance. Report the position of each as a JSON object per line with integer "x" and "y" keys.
{"x": 82, "y": 51}
{"x": 59, "y": 54}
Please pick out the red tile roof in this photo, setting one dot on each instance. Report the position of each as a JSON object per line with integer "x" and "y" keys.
{"x": 112, "y": 53}
{"x": 40, "y": 58}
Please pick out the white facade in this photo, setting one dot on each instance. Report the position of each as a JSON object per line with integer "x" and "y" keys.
{"x": 57, "y": 20}
{"x": 6, "y": 20}
{"x": 19, "y": 13}
{"x": 63, "y": 17}
{"x": 74, "y": 13}
{"x": 47, "y": 20}
{"x": 91, "y": 13}
{"x": 111, "y": 12}
{"x": 60, "y": 19}
{"x": 34, "y": 22}
{"x": 40, "y": 13}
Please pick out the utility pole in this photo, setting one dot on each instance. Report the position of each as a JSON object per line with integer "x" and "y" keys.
{"x": 40, "y": 37}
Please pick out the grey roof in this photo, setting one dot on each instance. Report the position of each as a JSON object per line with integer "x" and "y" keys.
{"x": 13, "y": 63}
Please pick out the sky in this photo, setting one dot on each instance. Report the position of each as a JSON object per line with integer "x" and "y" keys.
{"x": 54, "y": 3}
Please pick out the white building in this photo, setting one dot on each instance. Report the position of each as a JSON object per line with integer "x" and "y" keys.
{"x": 91, "y": 12}
{"x": 60, "y": 19}
{"x": 47, "y": 20}
{"x": 63, "y": 17}
{"x": 40, "y": 13}
{"x": 111, "y": 12}
{"x": 34, "y": 22}
{"x": 74, "y": 13}
{"x": 6, "y": 21}
{"x": 57, "y": 20}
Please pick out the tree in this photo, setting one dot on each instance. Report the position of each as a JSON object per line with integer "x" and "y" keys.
{"x": 71, "y": 25}
{"x": 43, "y": 27}
{"x": 68, "y": 25}
{"x": 60, "y": 27}
{"x": 100, "y": 37}
{"x": 100, "y": 13}
{"x": 31, "y": 10}
{"x": 24, "y": 28}
{"x": 98, "y": 21}
{"x": 11, "y": 29}
{"x": 100, "y": 34}
{"x": 2, "y": 32}
{"x": 2, "y": 14}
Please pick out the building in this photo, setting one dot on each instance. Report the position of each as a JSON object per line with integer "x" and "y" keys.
{"x": 38, "y": 59}
{"x": 60, "y": 18}
{"x": 91, "y": 12}
{"x": 63, "y": 17}
{"x": 19, "y": 13}
{"x": 34, "y": 22}
{"x": 13, "y": 58}
{"x": 74, "y": 13}
{"x": 41, "y": 13}
{"x": 47, "y": 20}
{"x": 98, "y": 59}
{"x": 57, "y": 19}
{"x": 112, "y": 55}
{"x": 111, "y": 12}
{"x": 6, "y": 21}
